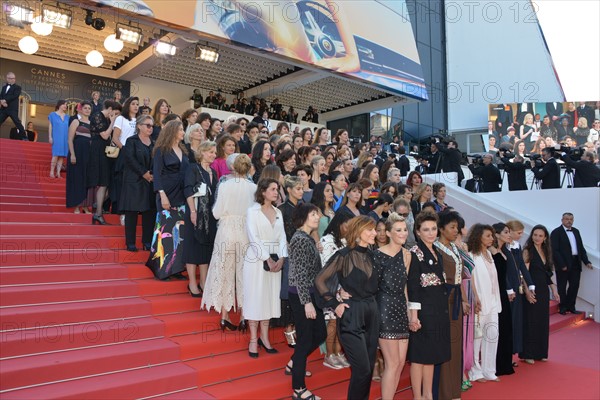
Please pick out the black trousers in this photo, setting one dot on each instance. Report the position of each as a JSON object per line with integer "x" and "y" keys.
{"x": 14, "y": 115}
{"x": 310, "y": 333}
{"x": 358, "y": 330}
{"x": 568, "y": 296}
{"x": 148, "y": 218}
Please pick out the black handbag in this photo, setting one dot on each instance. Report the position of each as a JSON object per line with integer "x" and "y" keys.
{"x": 275, "y": 258}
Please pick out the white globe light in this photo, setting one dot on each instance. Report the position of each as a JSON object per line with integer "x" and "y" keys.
{"x": 40, "y": 27}
{"x": 94, "y": 58}
{"x": 28, "y": 45}
{"x": 112, "y": 44}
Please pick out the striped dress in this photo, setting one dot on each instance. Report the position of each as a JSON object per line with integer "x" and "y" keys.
{"x": 468, "y": 319}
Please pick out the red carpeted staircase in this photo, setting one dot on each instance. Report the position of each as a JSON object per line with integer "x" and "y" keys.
{"x": 81, "y": 318}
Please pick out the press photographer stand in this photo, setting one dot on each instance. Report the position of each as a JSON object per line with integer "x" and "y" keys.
{"x": 569, "y": 177}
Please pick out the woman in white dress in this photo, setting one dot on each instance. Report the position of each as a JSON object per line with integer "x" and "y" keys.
{"x": 223, "y": 288}
{"x": 487, "y": 303}
{"x": 262, "y": 265}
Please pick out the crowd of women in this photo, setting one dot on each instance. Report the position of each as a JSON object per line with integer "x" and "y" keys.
{"x": 294, "y": 231}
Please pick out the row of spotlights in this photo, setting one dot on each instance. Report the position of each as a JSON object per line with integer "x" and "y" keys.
{"x": 51, "y": 15}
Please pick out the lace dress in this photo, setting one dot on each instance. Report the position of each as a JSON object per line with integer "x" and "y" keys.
{"x": 390, "y": 297}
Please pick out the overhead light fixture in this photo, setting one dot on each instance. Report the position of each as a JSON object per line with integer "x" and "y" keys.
{"x": 165, "y": 49}
{"x": 57, "y": 16}
{"x": 28, "y": 45}
{"x": 18, "y": 16}
{"x": 96, "y": 23}
{"x": 129, "y": 34}
{"x": 41, "y": 28}
{"x": 207, "y": 53}
{"x": 112, "y": 44}
{"x": 94, "y": 58}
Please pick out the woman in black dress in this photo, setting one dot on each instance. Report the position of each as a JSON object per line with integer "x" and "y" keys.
{"x": 358, "y": 317}
{"x": 304, "y": 264}
{"x": 137, "y": 194}
{"x": 200, "y": 225}
{"x": 538, "y": 258}
{"x": 99, "y": 169}
{"x": 80, "y": 138}
{"x": 393, "y": 263}
{"x": 504, "y": 365}
{"x": 169, "y": 167}
{"x": 429, "y": 342}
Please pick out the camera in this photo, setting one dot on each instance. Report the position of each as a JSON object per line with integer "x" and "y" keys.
{"x": 475, "y": 159}
{"x": 574, "y": 153}
{"x": 506, "y": 154}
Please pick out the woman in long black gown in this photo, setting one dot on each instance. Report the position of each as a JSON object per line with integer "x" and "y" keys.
{"x": 358, "y": 317}
{"x": 504, "y": 364}
{"x": 536, "y": 312}
{"x": 99, "y": 168}
{"x": 200, "y": 224}
{"x": 170, "y": 165}
{"x": 80, "y": 138}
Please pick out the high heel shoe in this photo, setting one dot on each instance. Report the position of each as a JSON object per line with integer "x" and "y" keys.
{"x": 146, "y": 246}
{"x": 227, "y": 325}
{"x": 290, "y": 338}
{"x": 98, "y": 219}
{"x": 251, "y": 354}
{"x": 268, "y": 350}
{"x": 192, "y": 293}
{"x": 243, "y": 326}
{"x": 132, "y": 248}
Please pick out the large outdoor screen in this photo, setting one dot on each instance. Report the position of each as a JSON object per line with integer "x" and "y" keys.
{"x": 367, "y": 40}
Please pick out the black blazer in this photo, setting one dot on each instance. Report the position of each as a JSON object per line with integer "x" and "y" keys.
{"x": 403, "y": 165}
{"x": 490, "y": 176}
{"x": 12, "y": 97}
{"x": 549, "y": 174}
{"x": 586, "y": 173}
{"x": 137, "y": 194}
{"x": 451, "y": 161}
{"x": 516, "y": 174}
{"x": 561, "y": 250}
{"x": 515, "y": 266}
{"x": 552, "y": 111}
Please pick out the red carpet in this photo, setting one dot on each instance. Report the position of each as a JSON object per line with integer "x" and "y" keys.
{"x": 81, "y": 318}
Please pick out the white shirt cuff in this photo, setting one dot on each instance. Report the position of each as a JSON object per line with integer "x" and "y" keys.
{"x": 414, "y": 306}
{"x": 532, "y": 288}
{"x": 510, "y": 291}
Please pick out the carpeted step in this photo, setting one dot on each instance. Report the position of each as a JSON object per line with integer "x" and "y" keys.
{"x": 31, "y": 200}
{"x": 279, "y": 385}
{"x": 69, "y": 273}
{"x": 134, "y": 384}
{"x": 554, "y": 307}
{"x": 36, "y": 217}
{"x": 63, "y": 292}
{"x": 12, "y": 191}
{"x": 192, "y": 394}
{"x": 174, "y": 303}
{"x": 154, "y": 287}
{"x": 557, "y": 321}
{"x": 12, "y": 256}
{"x": 34, "y": 370}
{"x": 49, "y": 229}
{"x": 61, "y": 241}
{"x": 66, "y": 313}
{"x": 19, "y": 342}
{"x": 190, "y": 322}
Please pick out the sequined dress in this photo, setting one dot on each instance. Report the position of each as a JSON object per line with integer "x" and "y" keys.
{"x": 390, "y": 297}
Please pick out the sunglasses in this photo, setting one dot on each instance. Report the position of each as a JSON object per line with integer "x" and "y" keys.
{"x": 264, "y": 131}
{"x": 149, "y": 126}
{"x": 405, "y": 215}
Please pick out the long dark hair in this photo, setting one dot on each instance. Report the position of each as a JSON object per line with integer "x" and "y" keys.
{"x": 474, "y": 238}
{"x": 335, "y": 225}
{"x": 257, "y": 153}
{"x": 125, "y": 110}
{"x": 546, "y": 248}
{"x": 318, "y": 197}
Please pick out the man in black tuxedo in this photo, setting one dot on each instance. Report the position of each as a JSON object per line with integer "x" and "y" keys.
{"x": 586, "y": 173}
{"x": 505, "y": 118}
{"x": 554, "y": 110}
{"x": 522, "y": 110}
{"x": 549, "y": 172}
{"x": 587, "y": 112}
{"x": 435, "y": 162}
{"x": 451, "y": 159}
{"x": 9, "y": 103}
{"x": 402, "y": 163}
{"x": 568, "y": 253}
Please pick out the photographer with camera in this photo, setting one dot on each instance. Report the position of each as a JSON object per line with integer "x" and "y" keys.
{"x": 515, "y": 170}
{"x": 451, "y": 158}
{"x": 546, "y": 170}
{"x": 488, "y": 172}
{"x": 586, "y": 172}
{"x": 435, "y": 162}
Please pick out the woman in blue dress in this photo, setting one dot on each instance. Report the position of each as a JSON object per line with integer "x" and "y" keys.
{"x": 58, "y": 132}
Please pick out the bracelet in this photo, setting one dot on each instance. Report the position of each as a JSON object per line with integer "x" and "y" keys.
{"x": 192, "y": 211}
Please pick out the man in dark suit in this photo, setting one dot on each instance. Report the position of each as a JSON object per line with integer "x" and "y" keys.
{"x": 402, "y": 163}
{"x": 522, "y": 110}
{"x": 587, "y": 112}
{"x": 9, "y": 103}
{"x": 554, "y": 110}
{"x": 451, "y": 159}
{"x": 586, "y": 173}
{"x": 489, "y": 173}
{"x": 549, "y": 172}
{"x": 505, "y": 118}
{"x": 435, "y": 162}
{"x": 516, "y": 172}
{"x": 568, "y": 254}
